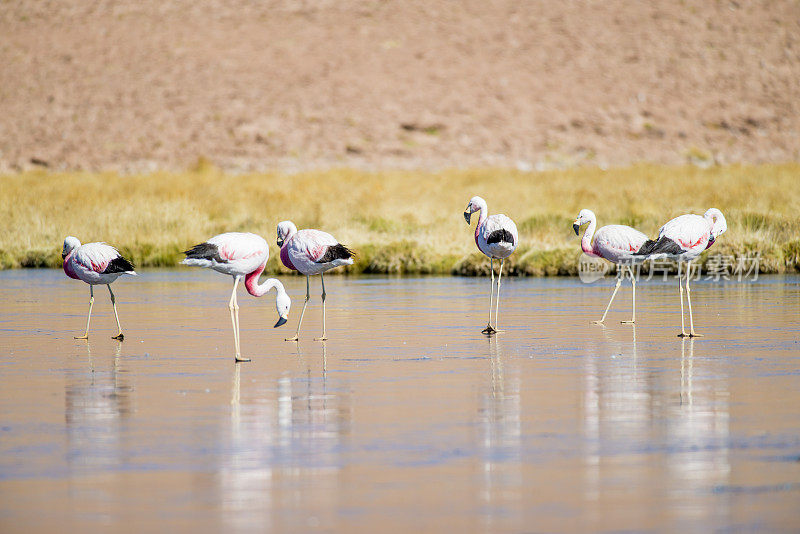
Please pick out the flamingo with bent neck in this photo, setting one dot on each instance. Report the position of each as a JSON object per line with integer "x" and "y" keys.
{"x": 616, "y": 243}
{"x": 240, "y": 255}
{"x": 311, "y": 252}
{"x": 95, "y": 263}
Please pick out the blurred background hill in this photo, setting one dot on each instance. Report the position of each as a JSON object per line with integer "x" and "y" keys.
{"x": 296, "y": 85}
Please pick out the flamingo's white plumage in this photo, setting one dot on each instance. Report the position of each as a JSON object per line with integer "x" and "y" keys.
{"x": 683, "y": 239}
{"x": 616, "y": 243}
{"x": 95, "y": 263}
{"x": 311, "y": 252}
{"x": 240, "y": 255}
{"x": 496, "y": 236}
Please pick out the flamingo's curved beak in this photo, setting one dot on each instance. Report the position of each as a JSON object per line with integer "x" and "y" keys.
{"x": 467, "y": 216}
{"x": 63, "y": 255}
{"x": 280, "y": 241}
{"x": 576, "y": 227}
{"x": 281, "y": 321}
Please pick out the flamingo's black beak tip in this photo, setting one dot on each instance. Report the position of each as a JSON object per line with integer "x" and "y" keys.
{"x": 467, "y": 216}
{"x": 576, "y": 227}
{"x": 280, "y": 242}
{"x": 282, "y": 321}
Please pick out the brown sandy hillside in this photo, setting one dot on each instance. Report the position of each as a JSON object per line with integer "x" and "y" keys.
{"x": 301, "y": 84}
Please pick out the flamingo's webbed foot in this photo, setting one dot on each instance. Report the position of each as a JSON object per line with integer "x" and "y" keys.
{"x": 119, "y": 337}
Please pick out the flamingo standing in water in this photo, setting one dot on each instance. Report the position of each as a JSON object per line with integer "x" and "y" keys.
{"x": 683, "y": 239}
{"x": 311, "y": 252}
{"x": 240, "y": 255}
{"x": 616, "y": 243}
{"x": 95, "y": 263}
{"x": 496, "y": 237}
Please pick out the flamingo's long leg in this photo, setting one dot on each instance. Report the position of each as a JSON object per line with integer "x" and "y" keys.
{"x": 616, "y": 288}
{"x": 308, "y": 296}
{"x": 633, "y": 288}
{"x": 633, "y": 300}
{"x": 233, "y": 306}
{"x": 324, "y": 337}
{"x": 680, "y": 287}
{"x": 489, "y": 329}
{"x": 692, "y": 333}
{"x": 236, "y": 317}
{"x": 238, "y": 333}
{"x": 491, "y": 291}
{"x": 233, "y": 319}
{"x": 497, "y": 301}
{"x": 119, "y": 335}
{"x": 91, "y": 303}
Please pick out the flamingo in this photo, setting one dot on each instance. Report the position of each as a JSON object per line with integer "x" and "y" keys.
{"x": 240, "y": 255}
{"x": 496, "y": 237}
{"x": 95, "y": 263}
{"x": 311, "y": 252}
{"x": 616, "y": 243}
{"x": 683, "y": 239}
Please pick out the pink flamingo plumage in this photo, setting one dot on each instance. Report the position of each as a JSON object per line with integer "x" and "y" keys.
{"x": 616, "y": 243}
{"x": 496, "y": 236}
{"x": 683, "y": 239}
{"x": 311, "y": 252}
{"x": 240, "y": 255}
{"x": 95, "y": 263}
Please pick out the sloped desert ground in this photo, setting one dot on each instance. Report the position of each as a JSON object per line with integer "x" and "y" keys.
{"x": 292, "y": 85}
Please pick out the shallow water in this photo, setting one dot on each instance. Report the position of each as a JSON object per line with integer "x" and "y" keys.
{"x": 407, "y": 418}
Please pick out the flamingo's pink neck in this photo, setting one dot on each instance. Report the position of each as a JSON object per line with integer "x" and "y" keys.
{"x": 711, "y": 222}
{"x": 586, "y": 241}
{"x": 68, "y": 265}
{"x": 285, "y": 259}
{"x": 482, "y": 216}
{"x": 251, "y": 282}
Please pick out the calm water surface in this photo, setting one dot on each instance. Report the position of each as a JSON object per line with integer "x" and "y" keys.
{"x": 407, "y": 418}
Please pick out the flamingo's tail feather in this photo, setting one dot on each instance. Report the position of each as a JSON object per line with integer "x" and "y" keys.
{"x": 337, "y": 252}
{"x": 663, "y": 245}
{"x": 204, "y": 252}
{"x": 119, "y": 265}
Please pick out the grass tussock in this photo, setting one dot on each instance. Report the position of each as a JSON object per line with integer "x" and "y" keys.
{"x": 403, "y": 222}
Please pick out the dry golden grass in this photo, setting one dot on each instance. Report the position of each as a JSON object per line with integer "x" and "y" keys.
{"x": 397, "y": 221}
